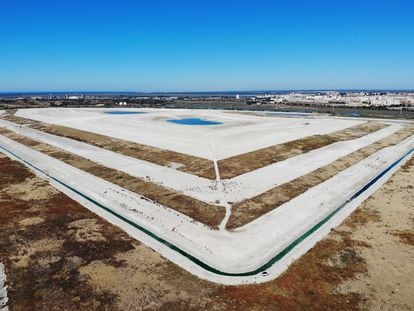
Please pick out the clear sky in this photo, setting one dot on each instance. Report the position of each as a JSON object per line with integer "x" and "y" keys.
{"x": 120, "y": 45}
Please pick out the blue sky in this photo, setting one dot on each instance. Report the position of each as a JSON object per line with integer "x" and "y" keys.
{"x": 205, "y": 45}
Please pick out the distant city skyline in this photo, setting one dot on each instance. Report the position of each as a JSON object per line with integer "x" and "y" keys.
{"x": 212, "y": 93}
{"x": 189, "y": 46}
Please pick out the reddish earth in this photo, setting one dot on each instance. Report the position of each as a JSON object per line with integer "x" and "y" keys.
{"x": 60, "y": 256}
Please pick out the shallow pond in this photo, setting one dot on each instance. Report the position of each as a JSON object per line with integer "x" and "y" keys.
{"x": 193, "y": 121}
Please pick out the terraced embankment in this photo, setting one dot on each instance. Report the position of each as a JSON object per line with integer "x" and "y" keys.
{"x": 185, "y": 163}
{"x": 208, "y": 214}
{"x": 251, "y": 209}
{"x": 229, "y": 167}
{"x": 211, "y": 215}
{"x": 60, "y": 256}
{"x": 247, "y": 162}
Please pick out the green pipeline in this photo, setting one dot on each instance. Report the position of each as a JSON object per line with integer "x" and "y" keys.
{"x": 197, "y": 261}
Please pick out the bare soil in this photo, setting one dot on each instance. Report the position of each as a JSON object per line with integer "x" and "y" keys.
{"x": 362, "y": 265}
{"x": 251, "y": 209}
{"x": 208, "y": 214}
{"x": 388, "y": 283}
{"x": 247, "y": 162}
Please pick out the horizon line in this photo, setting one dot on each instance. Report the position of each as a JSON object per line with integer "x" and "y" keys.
{"x": 213, "y": 91}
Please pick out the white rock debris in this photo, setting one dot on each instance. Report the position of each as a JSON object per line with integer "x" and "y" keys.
{"x": 3, "y": 289}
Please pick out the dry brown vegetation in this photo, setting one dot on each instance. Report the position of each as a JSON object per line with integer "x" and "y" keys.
{"x": 208, "y": 214}
{"x": 39, "y": 252}
{"x": 388, "y": 283}
{"x": 251, "y": 209}
{"x": 189, "y": 164}
{"x": 247, "y": 162}
{"x": 49, "y": 267}
{"x": 405, "y": 236}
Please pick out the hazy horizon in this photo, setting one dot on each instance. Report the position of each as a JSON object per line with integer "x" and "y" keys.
{"x": 205, "y": 92}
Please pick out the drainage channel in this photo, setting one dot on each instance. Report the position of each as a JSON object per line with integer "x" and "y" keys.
{"x": 197, "y": 261}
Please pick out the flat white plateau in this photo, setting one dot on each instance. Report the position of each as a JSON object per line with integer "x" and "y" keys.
{"x": 238, "y": 133}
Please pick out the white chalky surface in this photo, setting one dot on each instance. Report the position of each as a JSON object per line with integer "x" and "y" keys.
{"x": 3, "y": 288}
{"x": 238, "y": 134}
{"x": 236, "y": 189}
{"x": 246, "y": 248}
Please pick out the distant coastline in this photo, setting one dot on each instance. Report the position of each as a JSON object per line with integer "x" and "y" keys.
{"x": 199, "y": 93}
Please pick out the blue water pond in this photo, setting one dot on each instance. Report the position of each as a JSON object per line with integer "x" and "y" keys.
{"x": 124, "y": 112}
{"x": 352, "y": 114}
{"x": 193, "y": 121}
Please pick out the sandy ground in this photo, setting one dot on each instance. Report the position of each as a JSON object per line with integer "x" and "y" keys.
{"x": 59, "y": 256}
{"x": 388, "y": 284}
